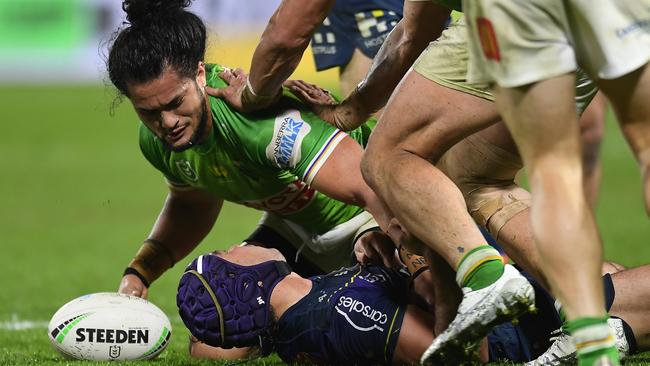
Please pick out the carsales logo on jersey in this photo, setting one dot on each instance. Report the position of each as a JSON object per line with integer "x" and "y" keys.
{"x": 355, "y": 306}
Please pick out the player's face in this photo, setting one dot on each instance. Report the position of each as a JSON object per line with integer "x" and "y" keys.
{"x": 248, "y": 255}
{"x": 174, "y": 108}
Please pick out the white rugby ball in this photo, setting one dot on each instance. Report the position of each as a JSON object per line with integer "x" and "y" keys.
{"x": 109, "y": 326}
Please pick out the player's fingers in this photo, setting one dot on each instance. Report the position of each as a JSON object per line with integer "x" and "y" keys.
{"x": 227, "y": 75}
{"x": 239, "y": 72}
{"x": 387, "y": 249}
{"x": 216, "y": 92}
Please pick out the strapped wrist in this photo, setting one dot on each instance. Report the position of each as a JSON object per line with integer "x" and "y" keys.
{"x": 153, "y": 259}
{"x": 415, "y": 264}
{"x": 133, "y": 271}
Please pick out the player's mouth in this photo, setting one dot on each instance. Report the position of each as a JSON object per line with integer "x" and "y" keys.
{"x": 175, "y": 134}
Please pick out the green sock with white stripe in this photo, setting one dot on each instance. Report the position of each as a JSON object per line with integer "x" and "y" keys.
{"x": 479, "y": 268}
{"x": 595, "y": 341}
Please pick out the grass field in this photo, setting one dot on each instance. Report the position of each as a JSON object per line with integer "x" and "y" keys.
{"x": 77, "y": 198}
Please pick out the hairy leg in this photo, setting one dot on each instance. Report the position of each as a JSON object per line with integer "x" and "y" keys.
{"x": 542, "y": 120}
{"x": 592, "y": 125}
{"x": 630, "y": 304}
{"x": 484, "y": 167}
{"x": 398, "y": 163}
{"x": 629, "y": 96}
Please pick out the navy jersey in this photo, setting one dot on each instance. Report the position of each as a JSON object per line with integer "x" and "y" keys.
{"x": 354, "y": 316}
{"x": 350, "y": 316}
{"x": 351, "y": 24}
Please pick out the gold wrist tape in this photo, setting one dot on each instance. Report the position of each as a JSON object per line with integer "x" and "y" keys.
{"x": 152, "y": 260}
{"x": 413, "y": 262}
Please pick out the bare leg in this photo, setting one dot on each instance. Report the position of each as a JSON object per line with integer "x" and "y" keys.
{"x": 447, "y": 294}
{"x": 542, "y": 120}
{"x": 630, "y": 304}
{"x": 592, "y": 125}
{"x": 484, "y": 167}
{"x": 629, "y": 96}
{"x": 398, "y": 162}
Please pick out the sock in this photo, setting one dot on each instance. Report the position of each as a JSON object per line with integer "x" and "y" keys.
{"x": 479, "y": 268}
{"x": 594, "y": 340}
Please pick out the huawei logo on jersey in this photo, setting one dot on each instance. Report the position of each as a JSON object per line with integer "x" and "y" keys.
{"x": 296, "y": 196}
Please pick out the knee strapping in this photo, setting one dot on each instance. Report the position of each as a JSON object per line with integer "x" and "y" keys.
{"x": 492, "y": 207}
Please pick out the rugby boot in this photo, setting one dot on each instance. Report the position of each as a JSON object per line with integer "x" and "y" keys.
{"x": 480, "y": 310}
{"x": 563, "y": 349}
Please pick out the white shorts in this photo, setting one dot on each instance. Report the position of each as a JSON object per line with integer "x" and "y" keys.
{"x": 518, "y": 42}
{"x": 330, "y": 250}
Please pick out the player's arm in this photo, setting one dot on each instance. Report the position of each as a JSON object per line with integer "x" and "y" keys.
{"x": 281, "y": 46}
{"x": 422, "y": 23}
{"x": 185, "y": 219}
{"x": 201, "y": 350}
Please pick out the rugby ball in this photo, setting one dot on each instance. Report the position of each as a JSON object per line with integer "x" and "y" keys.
{"x": 109, "y": 326}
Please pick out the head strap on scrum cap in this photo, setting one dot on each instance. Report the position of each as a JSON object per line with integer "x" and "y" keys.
{"x": 227, "y": 305}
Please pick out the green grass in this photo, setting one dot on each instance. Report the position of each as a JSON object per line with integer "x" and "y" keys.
{"x": 77, "y": 198}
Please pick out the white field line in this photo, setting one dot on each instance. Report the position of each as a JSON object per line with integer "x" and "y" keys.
{"x": 22, "y": 324}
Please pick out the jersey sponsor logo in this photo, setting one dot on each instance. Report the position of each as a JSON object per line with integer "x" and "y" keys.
{"x": 288, "y": 133}
{"x": 187, "y": 170}
{"x": 323, "y": 50}
{"x": 639, "y": 25}
{"x": 373, "y": 277}
{"x": 100, "y": 335}
{"x": 219, "y": 171}
{"x": 296, "y": 196}
{"x": 488, "y": 39}
{"x": 347, "y": 305}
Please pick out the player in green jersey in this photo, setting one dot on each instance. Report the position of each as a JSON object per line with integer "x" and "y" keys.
{"x": 301, "y": 171}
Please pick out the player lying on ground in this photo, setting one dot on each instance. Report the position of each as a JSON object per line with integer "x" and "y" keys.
{"x": 283, "y": 161}
{"x": 248, "y": 298}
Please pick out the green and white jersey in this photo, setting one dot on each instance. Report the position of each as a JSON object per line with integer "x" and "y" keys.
{"x": 265, "y": 160}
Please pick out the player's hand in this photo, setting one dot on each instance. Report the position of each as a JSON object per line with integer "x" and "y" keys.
{"x": 310, "y": 94}
{"x": 343, "y": 116}
{"x": 375, "y": 247}
{"x": 132, "y": 285}
{"x": 238, "y": 95}
{"x": 232, "y": 94}
{"x": 401, "y": 237}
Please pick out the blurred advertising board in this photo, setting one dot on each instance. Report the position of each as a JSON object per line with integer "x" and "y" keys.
{"x": 59, "y": 41}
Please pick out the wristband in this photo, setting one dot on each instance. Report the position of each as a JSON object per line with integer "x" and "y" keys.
{"x": 251, "y": 99}
{"x": 413, "y": 262}
{"x": 418, "y": 272}
{"x": 133, "y": 271}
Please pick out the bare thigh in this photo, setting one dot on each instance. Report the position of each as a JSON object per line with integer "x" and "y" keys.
{"x": 426, "y": 119}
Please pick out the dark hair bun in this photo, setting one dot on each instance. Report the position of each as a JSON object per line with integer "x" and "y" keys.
{"x": 138, "y": 10}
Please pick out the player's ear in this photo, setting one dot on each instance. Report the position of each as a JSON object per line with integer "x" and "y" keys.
{"x": 200, "y": 75}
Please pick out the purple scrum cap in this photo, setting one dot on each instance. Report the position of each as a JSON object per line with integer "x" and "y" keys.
{"x": 227, "y": 305}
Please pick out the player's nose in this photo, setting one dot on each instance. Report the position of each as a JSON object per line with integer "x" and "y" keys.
{"x": 168, "y": 120}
